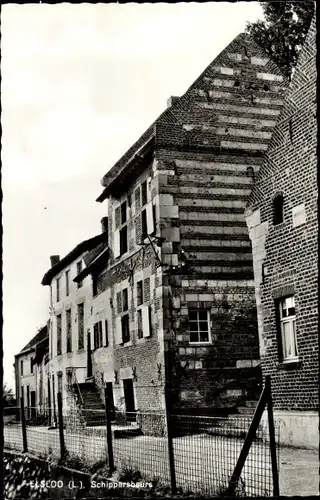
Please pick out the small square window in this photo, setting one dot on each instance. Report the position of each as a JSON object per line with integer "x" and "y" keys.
{"x": 278, "y": 209}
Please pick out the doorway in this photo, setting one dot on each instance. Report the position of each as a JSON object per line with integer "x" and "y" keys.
{"x": 33, "y": 404}
{"x": 129, "y": 399}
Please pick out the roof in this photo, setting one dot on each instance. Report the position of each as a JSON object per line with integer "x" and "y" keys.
{"x": 39, "y": 337}
{"x": 84, "y": 246}
{"x": 174, "y": 115}
{"x": 94, "y": 260}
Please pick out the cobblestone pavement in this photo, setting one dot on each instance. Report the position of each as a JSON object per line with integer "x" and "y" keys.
{"x": 299, "y": 472}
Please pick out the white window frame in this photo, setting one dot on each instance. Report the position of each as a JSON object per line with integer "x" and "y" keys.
{"x": 291, "y": 321}
{"x": 207, "y": 342}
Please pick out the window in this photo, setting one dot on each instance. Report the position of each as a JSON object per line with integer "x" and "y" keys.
{"x": 80, "y": 326}
{"x": 123, "y": 240}
{"x": 278, "y": 209}
{"x": 287, "y": 315}
{"x": 97, "y": 335}
{"x": 123, "y": 212}
{"x": 125, "y": 328}
{"x": 31, "y": 365}
{"x": 139, "y": 318}
{"x": 144, "y": 228}
{"x": 106, "y": 333}
{"x": 21, "y": 368}
{"x": 67, "y": 283}
{"x": 69, "y": 330}
{"x": 125, "y": 299}
{"x": 79, "y": 269}
{"x": 122, "y": 328}
{"x": 58, "y": 289}
{"x": 139, "y": 293}
{"x": 199, "y": 326}
{"x": 144, "y": 322}
{"x": 144, "y": 193}
{"x": 58, "y": 334}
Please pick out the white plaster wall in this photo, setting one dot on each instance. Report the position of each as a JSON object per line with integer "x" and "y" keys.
{"x": 298, "y": 429}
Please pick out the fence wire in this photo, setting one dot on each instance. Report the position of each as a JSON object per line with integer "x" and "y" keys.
{"x": 205, "y": 449}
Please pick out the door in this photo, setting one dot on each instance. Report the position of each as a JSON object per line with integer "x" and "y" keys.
{"x": 33, "y": 404}
{"x": 129, "y": 398}
{"x": 28, "y": 402}
{"x": 109, "y": 391}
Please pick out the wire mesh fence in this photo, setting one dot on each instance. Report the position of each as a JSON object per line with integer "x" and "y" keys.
{"x": 205, "y": 449}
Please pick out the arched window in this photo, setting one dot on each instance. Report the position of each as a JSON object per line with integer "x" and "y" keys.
{"x": 278, "y": 209}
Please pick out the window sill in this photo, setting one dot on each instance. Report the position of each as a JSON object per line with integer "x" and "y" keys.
{"x": 142, "y": 340}
{"x": 200, "y": 343}
{"x": 289, "y": 364}
{"x": 126, "y": 344}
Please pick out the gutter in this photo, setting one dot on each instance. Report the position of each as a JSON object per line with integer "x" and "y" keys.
{"x": 107, "y": 184}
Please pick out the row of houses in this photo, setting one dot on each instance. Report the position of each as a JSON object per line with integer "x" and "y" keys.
{"x": 204, "y": 277}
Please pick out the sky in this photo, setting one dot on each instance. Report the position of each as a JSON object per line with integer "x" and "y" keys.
{"x": 80, "y": 84}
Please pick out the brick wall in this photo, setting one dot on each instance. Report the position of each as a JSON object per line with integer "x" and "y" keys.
{"x": 285, "y": 255}
{"x": 206, "y": 160}
{"x": 208, "y": 148}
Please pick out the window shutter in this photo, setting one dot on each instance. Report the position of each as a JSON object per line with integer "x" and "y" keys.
{"x": 116, "y": 243}
{"x": 119, "y": 303}
{"x": 137, "y": 198}
{"x": 146, "y": 289}
{"x": 150, "y": 221}
{"x": 106, "y": 333}
{"x": 117, "y": 214}
{"x": 146, "y": 321}
{"x": 118, "y": 337}
{"x": 138, "y": 229}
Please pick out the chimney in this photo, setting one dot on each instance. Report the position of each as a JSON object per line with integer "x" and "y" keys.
{"x": 172, "y": 100}
{"x": 104, "y": 225}
{"x": 54, "y": 259}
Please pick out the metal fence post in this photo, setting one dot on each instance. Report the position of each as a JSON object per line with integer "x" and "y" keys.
{"x": 248, "y": 442}
{"x": 60, "y": 422}
{"x": 273, "y": 450}
{"x": 109, "y": 431}
{"x": 170, "y": 442}
{"x": 24, "y": 426}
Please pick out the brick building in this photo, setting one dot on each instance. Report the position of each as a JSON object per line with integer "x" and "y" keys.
{"x": 179, "y": 267}
{"x": 30, "y": 373}
{"x": 78, "y": 326}
{"x": 283, "y": 227}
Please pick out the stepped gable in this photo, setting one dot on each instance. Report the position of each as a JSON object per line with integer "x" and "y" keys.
{"x": 233, "y": 105}
{"x": 295, "y": 126}
{"x": 241, "y": 83}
